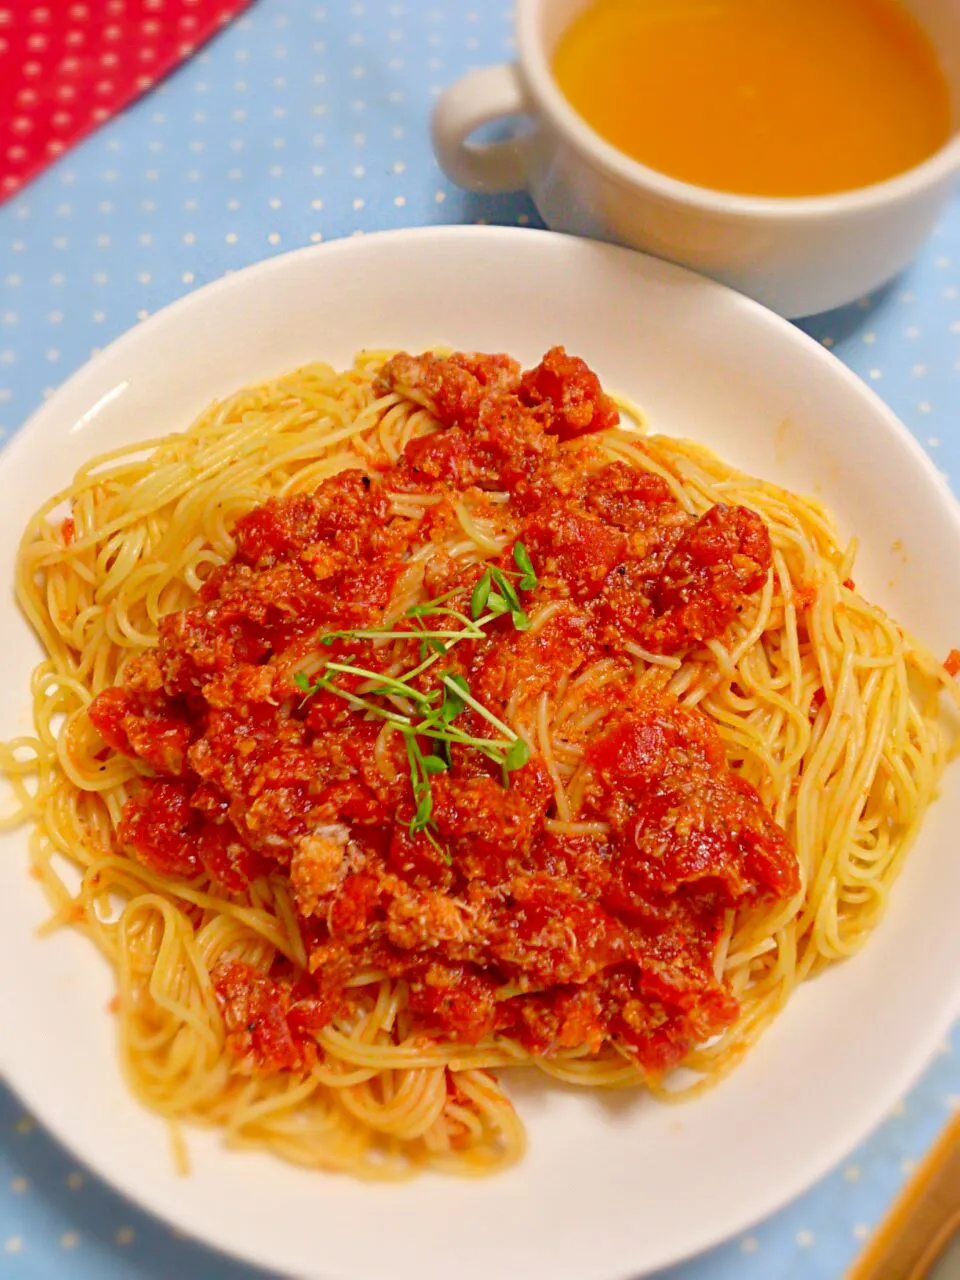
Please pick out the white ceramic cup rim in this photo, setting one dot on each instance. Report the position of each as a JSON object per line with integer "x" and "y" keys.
{"x": 550, "y": 101}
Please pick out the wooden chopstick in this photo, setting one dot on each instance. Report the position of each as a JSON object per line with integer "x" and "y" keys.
{"x": 924, "y": 1218}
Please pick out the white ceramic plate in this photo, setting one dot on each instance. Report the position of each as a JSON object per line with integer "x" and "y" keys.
{"x": 612, "y": 1186}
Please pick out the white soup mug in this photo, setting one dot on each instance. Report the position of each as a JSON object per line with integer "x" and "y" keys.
{"x": 796, "y": 255}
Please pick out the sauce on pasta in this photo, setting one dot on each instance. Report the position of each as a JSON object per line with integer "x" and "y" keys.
{"x": 498, "y": 924}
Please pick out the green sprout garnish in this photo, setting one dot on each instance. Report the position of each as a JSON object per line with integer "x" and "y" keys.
{"x": 435, "y": 709}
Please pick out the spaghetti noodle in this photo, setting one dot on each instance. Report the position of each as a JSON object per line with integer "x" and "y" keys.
{"x": 407, "y": 723}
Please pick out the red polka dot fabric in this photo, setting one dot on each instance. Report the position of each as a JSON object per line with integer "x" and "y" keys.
{"x": 66, "y": 66}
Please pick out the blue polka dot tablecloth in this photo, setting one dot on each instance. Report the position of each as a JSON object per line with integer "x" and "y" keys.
{"x": 300, "y": 124}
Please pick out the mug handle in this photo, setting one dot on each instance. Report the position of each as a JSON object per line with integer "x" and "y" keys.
{"x": 478, "y": 98}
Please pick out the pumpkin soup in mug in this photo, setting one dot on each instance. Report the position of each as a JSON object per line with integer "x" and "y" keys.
{"x": 760, "y": 97}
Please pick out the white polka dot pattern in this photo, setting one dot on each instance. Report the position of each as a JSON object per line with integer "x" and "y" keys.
{"x": 300, "y": 123}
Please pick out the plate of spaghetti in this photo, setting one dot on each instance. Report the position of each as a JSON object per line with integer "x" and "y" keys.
{"x": 459, "y": 817}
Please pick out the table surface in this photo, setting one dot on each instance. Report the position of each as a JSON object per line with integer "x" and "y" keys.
{"x": 300, "y": 124}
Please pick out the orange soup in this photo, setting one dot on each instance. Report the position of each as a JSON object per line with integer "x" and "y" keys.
{"x": 767, "y": 97}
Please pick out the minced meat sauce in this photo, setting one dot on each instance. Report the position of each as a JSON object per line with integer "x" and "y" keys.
{"x": 499, "y": 922}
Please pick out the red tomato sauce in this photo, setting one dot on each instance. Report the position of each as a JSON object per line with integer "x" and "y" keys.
{"x": 498, "y": 924}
